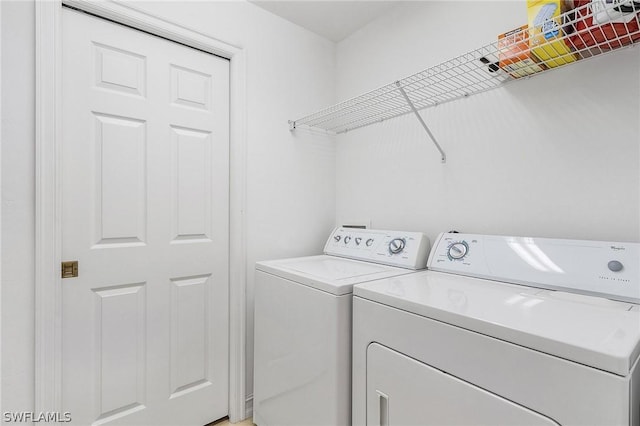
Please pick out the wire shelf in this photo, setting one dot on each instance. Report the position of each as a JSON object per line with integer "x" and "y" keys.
{"x": 592, "y": 28}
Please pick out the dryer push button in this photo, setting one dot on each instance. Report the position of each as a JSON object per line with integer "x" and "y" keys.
{"x": 615, "y": 266}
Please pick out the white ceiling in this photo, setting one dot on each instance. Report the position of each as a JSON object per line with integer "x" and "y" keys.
{"x": 334, "y": 20}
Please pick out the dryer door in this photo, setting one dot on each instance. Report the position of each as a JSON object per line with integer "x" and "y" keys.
{"x": 403, "y": 391}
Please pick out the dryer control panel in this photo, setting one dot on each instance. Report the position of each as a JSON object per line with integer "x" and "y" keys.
{"x": 396, "y": 248}
{"x": 600, "y": 268}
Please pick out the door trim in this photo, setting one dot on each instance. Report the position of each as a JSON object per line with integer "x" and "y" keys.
{"x": 48, "y": 219}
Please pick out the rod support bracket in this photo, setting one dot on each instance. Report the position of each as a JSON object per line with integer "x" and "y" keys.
{"x": 443, "y": 156}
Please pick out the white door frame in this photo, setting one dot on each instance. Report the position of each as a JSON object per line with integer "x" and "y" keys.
{"x": 48, "y": 220}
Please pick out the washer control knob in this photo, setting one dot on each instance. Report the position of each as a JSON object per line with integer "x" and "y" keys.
{"x": 358, "y": 241}
{"x": 396, "y": 245}
{"x": 369, "y": 242}
{"x": 458, "y": 250}
{"x": 615, "y": 266}
{"x": 337, "y": 238}
{"x": 347, "y": 239}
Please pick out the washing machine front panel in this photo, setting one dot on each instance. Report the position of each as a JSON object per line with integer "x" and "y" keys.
{"x": 301, "y": 353}
{"x": 302, "y": 339}
{"x": 402, "y": 392}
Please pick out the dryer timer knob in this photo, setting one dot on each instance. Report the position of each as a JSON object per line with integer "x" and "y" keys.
{"x": 458, "y": 250}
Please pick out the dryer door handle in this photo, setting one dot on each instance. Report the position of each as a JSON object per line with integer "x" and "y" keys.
{"x": 383, "y": 404}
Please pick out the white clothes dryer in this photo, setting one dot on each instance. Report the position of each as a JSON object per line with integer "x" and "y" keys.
{"x": 502, "y": 331}
{"x": 302, "y": 334}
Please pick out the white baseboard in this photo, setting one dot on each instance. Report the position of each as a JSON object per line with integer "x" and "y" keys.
{"x": 248, "y": 407}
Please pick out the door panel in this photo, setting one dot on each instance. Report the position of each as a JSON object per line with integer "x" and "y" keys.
{"x": 191, "y": 184}
{"x": 120, "y": 180}
{"x": 120, "y": 342}
{"x": 189, "y": 324}
{"x": 145, "y": 166}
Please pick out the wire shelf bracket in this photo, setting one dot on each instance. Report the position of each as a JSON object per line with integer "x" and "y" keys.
{"x": 443, "y": 156}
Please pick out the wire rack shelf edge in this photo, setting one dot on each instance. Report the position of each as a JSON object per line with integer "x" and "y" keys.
{"x": 589, "y": 30}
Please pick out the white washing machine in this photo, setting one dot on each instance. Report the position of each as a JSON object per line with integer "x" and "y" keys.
{"x": 302, "y": 342}
{"x": 502, "y": 331}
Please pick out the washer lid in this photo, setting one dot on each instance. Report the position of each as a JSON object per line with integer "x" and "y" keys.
{"x": 590, "y": 330}
{"x": 332, "y": 274}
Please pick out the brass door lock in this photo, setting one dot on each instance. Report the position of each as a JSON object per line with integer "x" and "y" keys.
{"x": 70, "y": 269}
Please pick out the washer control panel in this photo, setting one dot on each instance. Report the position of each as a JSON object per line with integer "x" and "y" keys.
{"x": 396, "y": 248}
{"x": 600, "y": 268}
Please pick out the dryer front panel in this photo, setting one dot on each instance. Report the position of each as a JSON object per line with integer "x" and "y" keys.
{"x": 403, "y": 391}
{"x": 569, "y": 393}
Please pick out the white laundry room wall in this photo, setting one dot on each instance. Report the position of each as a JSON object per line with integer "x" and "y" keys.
{"x": 290, "y": 188}
{"x": 556, "y": 155}
{"x": 18, "y": 210}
